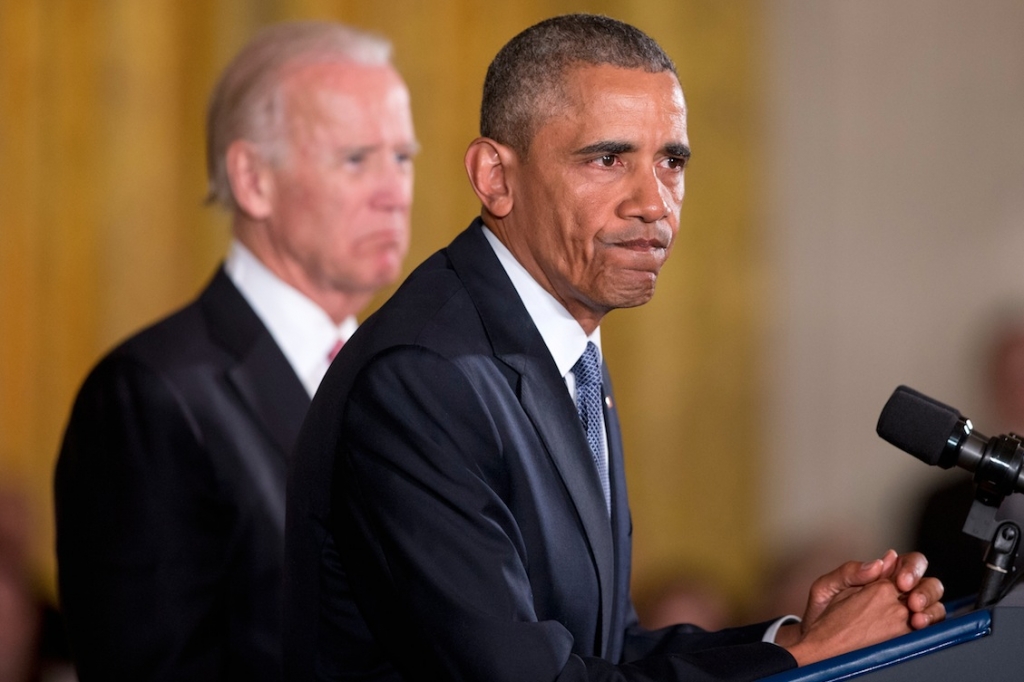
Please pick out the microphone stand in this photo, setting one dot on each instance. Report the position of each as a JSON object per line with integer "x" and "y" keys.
{"x": 999, "y": 560}
{"x": 1004, "y": 542}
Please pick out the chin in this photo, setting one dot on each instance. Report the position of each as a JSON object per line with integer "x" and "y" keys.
{"x": 385, "y": 277}
{"x": 635, "y": 302}
{"x": 388, "y": 268}
{"x": 634, "y": 293}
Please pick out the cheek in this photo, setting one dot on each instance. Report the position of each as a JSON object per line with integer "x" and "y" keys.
{"x": 299, "y": 194}
{"x": 673, "y": 193}
{"x": 582, "y": 210}
{"x": 333, "y": 202}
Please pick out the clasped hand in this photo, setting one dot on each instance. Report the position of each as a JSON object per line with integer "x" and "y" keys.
{"x": 860, "y": 604}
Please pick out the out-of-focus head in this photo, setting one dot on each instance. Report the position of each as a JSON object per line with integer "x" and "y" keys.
{"x": 525, "y": 81}
{"x": 1005, "y": 374}
{"x": 247, "y": 102}
{"x": 311, "y": 144}
{"x": 580, "y": 167}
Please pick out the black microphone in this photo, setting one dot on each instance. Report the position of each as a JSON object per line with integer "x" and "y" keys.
{"x": 939, "y": 435}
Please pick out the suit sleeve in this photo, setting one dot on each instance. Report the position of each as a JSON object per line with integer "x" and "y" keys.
{"x": 437, "y": 565}
{"x": 140, "y": 537}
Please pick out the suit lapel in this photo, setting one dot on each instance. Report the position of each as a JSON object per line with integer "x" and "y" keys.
{"x": 261, "y": 375}
{"x": 621, "y": 521}
{"x": 543, "y": 395}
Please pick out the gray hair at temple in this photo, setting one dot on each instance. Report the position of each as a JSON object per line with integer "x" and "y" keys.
{"x": 247, "y": 102}
{"x": 525, "y": 81}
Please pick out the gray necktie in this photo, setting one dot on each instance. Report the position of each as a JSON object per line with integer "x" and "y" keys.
{"x": 587, "y": 372}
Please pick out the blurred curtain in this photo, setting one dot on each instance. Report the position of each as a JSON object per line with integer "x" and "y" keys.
{"x": 102, "y": 227}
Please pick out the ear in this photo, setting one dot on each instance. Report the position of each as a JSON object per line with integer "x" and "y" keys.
{"x": 251, "y": 180}
{"x": 490, "y": 165}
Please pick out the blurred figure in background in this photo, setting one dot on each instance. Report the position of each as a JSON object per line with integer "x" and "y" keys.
{"x": 686, "y": 596}
{"x": 32, "y": 643}
{"x": 785, "y": 586}
{"x": 170, "y": 486}
{"x": 20, "y": 616}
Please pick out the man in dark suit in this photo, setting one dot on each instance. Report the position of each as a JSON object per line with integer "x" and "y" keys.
{"x": 457, "y": 506}
{"x": 170, "y": 486}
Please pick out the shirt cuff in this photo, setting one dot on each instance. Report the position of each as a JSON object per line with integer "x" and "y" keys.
{"x": 773, "y": 629}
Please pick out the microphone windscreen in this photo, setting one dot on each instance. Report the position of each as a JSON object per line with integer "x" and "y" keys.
{"x": 917, "y": 424}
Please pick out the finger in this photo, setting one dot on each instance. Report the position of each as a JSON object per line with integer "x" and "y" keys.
{"x": 867, "y": 572}
{"x": 825, "y": 589}
{"x": 929, "y": 591}
{"x": 890, "y": 563}
{"x": 850, "y": 574}
{"x": 909, "y": 571}
{"x": 933, "y": 614}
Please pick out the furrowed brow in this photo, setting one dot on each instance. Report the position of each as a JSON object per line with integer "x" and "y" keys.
{"x": 680, "y": 150}
{"x": 606, "y": 147}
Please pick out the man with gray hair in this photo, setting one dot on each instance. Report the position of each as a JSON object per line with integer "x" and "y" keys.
{"x": 457, "y": 505}
{"x": 170, "y": 486}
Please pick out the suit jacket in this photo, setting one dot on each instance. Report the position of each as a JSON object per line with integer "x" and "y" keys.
{"x": 446, "y": 521}
{"x": 170, "y": 499}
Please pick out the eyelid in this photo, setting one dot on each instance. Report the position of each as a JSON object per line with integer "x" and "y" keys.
{"x": 407, "y": 154}
{"x": 353, "y": 155}
{"x": 599, "y": 159}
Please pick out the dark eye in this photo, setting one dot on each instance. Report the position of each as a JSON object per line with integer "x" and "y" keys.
{"x": 608, "y": 160}
{"x": 675, "y": 162}
{"x": 354, "y": 159}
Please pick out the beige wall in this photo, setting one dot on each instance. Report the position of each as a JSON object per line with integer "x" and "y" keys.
{"x": 896, "y": 186}
{"x": 102, "y": 231}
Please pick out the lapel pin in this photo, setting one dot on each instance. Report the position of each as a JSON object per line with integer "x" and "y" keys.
{"x": 608, "y": 401}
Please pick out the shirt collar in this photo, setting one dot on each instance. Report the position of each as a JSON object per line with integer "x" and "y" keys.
{"x": 301, "y": 329}
{"x": 562, "y": 334}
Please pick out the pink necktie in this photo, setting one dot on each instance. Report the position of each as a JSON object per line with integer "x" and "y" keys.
{"x": 333, "y": 352}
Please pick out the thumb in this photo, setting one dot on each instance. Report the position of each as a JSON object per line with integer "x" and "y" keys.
{"x": 849, "y": 575}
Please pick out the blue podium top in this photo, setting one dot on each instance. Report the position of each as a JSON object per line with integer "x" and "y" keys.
{"x": 949, "y": 632}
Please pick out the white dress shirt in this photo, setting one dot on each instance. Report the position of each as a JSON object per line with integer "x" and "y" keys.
{"x": 302, "y": 330}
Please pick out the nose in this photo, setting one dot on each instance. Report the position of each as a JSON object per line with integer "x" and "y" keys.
{"x": 648, "y": 199}
{"x": 393, "y": 185}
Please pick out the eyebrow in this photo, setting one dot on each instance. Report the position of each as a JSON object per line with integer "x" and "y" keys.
{"x": 615, "y": 147}
{"x": 606, "y": 147}
{"x": 676, "y": 149}
{"x": 408, "y": 148}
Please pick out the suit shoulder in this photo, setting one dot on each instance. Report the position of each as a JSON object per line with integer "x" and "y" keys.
{"x": 185, "y": 337}
{"x": 432, "y": 308}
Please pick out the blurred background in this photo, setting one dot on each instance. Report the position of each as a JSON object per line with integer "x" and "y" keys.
{"x": 854, "y": 220}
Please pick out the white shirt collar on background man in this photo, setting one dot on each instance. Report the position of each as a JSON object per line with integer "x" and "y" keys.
{"x": 301, "y": 328}
{"x": 562, "y": 334}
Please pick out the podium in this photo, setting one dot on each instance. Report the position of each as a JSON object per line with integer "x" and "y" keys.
{"x": 987, "y": 644}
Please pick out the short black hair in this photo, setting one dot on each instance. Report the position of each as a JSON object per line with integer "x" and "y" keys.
{"x": 525, "y": 78}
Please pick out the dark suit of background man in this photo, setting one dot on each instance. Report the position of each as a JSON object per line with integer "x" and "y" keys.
{"x": 447, "y": 518}
{"x": 170, "y": 488}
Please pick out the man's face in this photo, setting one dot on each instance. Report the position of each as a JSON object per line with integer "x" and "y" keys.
{"x": 596, "y": 203}
{"x": 343, "y": 190}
